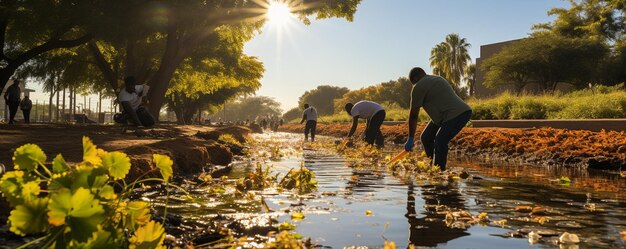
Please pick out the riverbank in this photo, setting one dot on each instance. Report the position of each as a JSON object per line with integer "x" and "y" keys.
{"x": 604, "y": 150}
{"x": 194, "y": 149}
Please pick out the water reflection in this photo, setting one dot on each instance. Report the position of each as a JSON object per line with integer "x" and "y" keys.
{"x": 429, "y": 228}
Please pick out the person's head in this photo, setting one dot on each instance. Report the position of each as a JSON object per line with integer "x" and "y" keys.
{"x": 306, "y": 106}
{"x": 16, "y": 82}
{"x": 416, "y": 74}
{"x": 25, "y": 96}
{"x": 129, "y": 84}
{"x": 348, "y": 108}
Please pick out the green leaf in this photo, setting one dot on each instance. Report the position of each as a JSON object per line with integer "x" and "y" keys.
{"x": 90, "y": 152}
{"x": 28, "y": 157}
{"x": 102, "y": 239}
{"x": 81, "y": 211}
{"x": 107, "y": 192}
{"x": 89, "y": 178}
{"x": 59, "y": 165}
{"x": 117, "y": 163}
{"x": 29, "y": 217}
{"x": 148, "y": 236}
{"x": 18, "y": 186}
{"x": 138, "y": 214}
{"x": 164, "y": 163}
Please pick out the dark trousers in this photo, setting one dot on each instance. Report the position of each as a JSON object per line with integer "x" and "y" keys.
{"x": 310, "y": 127}
{"x": 372, "y": 132}
{"x": 435, "y": 139}
{"x": 26, "y": 116}
{"x": 12, "y": 110}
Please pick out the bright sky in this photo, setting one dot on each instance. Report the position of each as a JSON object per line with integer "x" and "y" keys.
{"x": 386, "y": 39}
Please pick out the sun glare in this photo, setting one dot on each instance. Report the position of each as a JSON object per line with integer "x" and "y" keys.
{"x": 278, "y": 13}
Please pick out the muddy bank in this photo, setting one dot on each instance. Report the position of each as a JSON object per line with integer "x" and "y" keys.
{"x": 193, "y": 149}
{"x": 537, "y": 146}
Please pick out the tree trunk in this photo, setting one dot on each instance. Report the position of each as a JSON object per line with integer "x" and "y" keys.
{"x": 57, "y": 107}
{"x": 50, "y": 106}
{"x": 63, "y": 110}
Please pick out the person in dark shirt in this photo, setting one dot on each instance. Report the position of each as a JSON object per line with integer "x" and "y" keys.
{"x": 26, "y": 105}
{"x": 12, "y": 99}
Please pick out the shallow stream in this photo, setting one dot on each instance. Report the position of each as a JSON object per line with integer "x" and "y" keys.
{"x": 365, "y": 207}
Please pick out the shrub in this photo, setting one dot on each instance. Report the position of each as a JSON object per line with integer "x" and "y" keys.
{"x": 76, "y": 206}
{"x": 528, "y": 108}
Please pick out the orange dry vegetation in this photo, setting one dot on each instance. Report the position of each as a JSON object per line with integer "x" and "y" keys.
{"x": 602, "y": 150}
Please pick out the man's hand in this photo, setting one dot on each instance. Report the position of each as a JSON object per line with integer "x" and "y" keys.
{"x": 408, "y": 146}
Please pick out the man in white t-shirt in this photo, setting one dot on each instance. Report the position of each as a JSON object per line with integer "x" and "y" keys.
{"x": 130, "y": 99}
{"x": 374, "y": 114}
{"x": 310, "y": 116}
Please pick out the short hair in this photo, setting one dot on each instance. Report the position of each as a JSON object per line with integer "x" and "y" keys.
{"x": 130, "y": 80}
{"x": 16, "y": 81}
{"x": 348, "y": 107}
{"x": 306, "y": 106}
{"x": 416, "y": 72}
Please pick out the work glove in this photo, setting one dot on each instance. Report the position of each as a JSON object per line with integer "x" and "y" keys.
{"x": 408, "y": 146}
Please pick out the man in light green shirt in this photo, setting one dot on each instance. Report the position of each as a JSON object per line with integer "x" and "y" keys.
{"x": 448, "y": 113}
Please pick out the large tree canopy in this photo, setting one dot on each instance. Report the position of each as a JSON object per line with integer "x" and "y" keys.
{"x": 173, "y": 31}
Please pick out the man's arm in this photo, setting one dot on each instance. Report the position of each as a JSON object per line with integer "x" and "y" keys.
{"x": 413, "y": 119}
{"x": 355, "y": 122}
{"x": 303, "y": 118}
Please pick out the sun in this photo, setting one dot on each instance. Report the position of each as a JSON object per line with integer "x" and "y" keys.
{"x": 278, "y": 13}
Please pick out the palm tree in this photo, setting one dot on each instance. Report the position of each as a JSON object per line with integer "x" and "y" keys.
{"x": 470, "y": 78}
{"x": 450, "y": 58}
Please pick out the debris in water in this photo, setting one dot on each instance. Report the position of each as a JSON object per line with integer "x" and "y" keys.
{"x": 569, "y": 238}
{"x": 368, "y": 212}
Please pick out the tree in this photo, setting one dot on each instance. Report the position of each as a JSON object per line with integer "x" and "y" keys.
{"x": 322, "y": 98}
{"x": 251, "y": 108}
{"x": 450, "y": 58}
{"x": 595, "y": 19}
{"x": 293, "y": 113}
{"x": 470, "y": 79}
{"x": 546, "y": 59}
{"x": 31, "y": 28}
{"x": 178, "y": 29}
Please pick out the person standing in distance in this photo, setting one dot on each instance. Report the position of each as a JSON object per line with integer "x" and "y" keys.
{"x": 12, "y": 99}
{"x": 26, "y": 105}
{"x": 310, "y": 116}
{"x": 448, "y": 114}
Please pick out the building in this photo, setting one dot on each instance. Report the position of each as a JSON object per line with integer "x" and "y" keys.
{"x": 4, "y": 109}
{"x": 480, "y": 91}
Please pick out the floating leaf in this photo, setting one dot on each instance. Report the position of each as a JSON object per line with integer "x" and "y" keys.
{"x": 539, "y": 211}
{"x": 117, "y": 163}
{"x": 297, "y": 216}
{"x": 523, "y": 209}
{"x": 90, "y": 152}
{"x": 164, "y": 164}
{"x": 29, "y": 217}
{"x": 368, "y": 212}
{"x": 59, "y": 165}
{"x": 623, "y": 233}
{"x": 390, "y": 245}
{"x": 83, "y": 213}
{"x": 148, "y": 236}
{"x": 28, "y": 157}
{"x": 569, "y": 238}
{"x": 286, "y": 226}
{"x": 565, "y": 181}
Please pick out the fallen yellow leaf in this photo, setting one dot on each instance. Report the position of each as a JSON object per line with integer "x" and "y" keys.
{"x": 368, "y": 212}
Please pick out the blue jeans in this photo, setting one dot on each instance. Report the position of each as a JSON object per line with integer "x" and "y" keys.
{"x": 435, "y": 138}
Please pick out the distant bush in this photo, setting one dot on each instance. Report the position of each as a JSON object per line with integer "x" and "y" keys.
{"x": 591, "y": 103}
